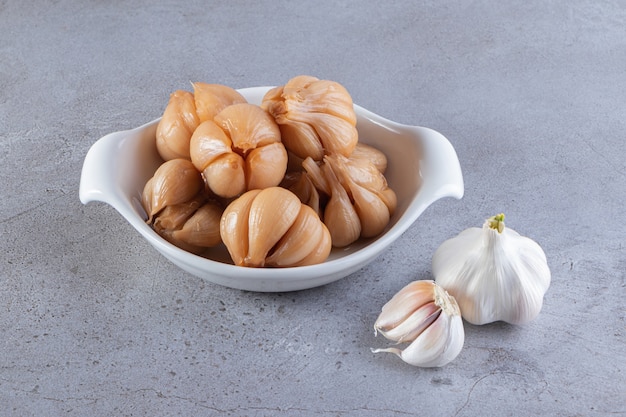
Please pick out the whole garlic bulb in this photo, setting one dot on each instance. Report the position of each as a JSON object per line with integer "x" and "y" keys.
{"x": 426, "y": 316}
{"x": 271, "y": 227}
{"x": 494, "y": 273}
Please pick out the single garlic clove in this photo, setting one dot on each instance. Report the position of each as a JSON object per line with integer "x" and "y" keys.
{"x": 203, "y": 227}
{"x": 271, "y": 214}
{"x": 174, "y": 182}
{"x": 371, "y": 155}
{"x": 301, "y": 139}
{"x": 176, "y": 126}
{"x": 321, "y": 253}
{"x": 225, "y": 175}
{"x": 146, "y": 199}
{"x": 234, "y": 226}
{"x": 413, "y": 325}
{"x": 340, "y": 216}
{"x": 207, "y": 143}
{"x": 315, "y": 174}
{"x": 306, "y": 191}
{"x": 425, "y": 315}
{"x": 174, "y": 216}
{"x": 210, "y": 99}
{"x": 436, "y": 346}
{"x": 266, "y": 166}
{"x": 248, "y": 126}
{"x": 337, "y": 135}
{"x": 302, "y": 238}
{"x": 410, "y": 298}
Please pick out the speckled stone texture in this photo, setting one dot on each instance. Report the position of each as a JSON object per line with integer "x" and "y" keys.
{"x": 95, "y": 323}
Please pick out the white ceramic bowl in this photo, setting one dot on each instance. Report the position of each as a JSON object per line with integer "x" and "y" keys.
{"x": 422, "y": 168}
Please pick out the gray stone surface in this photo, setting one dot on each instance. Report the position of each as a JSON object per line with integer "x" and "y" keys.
{"x": 94, "y": 322}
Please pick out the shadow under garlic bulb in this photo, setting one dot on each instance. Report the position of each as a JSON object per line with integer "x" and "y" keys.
{"x": 272, "y": 228}
{"x": 316, "y": 117}
{"x": 239, "y": 150}
{"x": 210, "y": 99}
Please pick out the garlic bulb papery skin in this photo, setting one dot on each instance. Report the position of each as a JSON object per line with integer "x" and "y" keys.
{"x": 494, "y": 273}
{"x": 428, "y": 318}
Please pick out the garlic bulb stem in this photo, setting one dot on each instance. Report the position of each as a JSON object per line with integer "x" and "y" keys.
{"x": 496, "y": 222}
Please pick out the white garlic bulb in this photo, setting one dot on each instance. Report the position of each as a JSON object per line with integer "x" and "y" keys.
{"x": 426, "y": 316}
{"x": 494, "y": 273}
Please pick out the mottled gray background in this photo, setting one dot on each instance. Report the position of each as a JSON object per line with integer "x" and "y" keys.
{"x": 94, "y": 322}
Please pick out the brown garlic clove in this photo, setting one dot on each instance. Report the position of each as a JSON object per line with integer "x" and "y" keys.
{"x": 303, "y": 237}
{"x": 176, "y": 126}
{"x": 210, "y": 99}
{"x": 340, "y": 216}
{"x": 370, "y": 154}
{"x": 321, "y": 253}
{"x": 234, "y": 226}
{"x": 314, "y": 115}
{"x": 266, "y": 166}
{"x": 372, "y": 211}
{"x": 202, "y": 229}
{"x": 248, "y": 126}
{"x": 174, "y": 216}
{"x": 175, "y": 181}
{"x": 303, "y": 187}
{"x": 271, "y": 214}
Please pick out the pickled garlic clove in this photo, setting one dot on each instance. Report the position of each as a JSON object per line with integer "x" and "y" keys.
{"x": 300, "y": 184}
{"x": 234, "y": 226}
{"x": 174, "y": 216}
{"x": 321, "y": 252}
{"x": 303, "y": 237}
{"x": 301, "y": 139}
{"x": 207, "y": 143}
{"x": 340, "y": 216}
{"x": 372, "y": 211}
{"x": 248, "y": 126}
{"x": 271, "y": 214}
{"x": 225, "y": 175}
{"x": 266, "y": 166}
{"x": 176, "y": 126}
{"x": 316, "y": 176}
{"x": 316, "y": 116}
{"x": 202, "y": 229}
{"x": 210, "y": 99}
{"x": 175, "y": 181}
